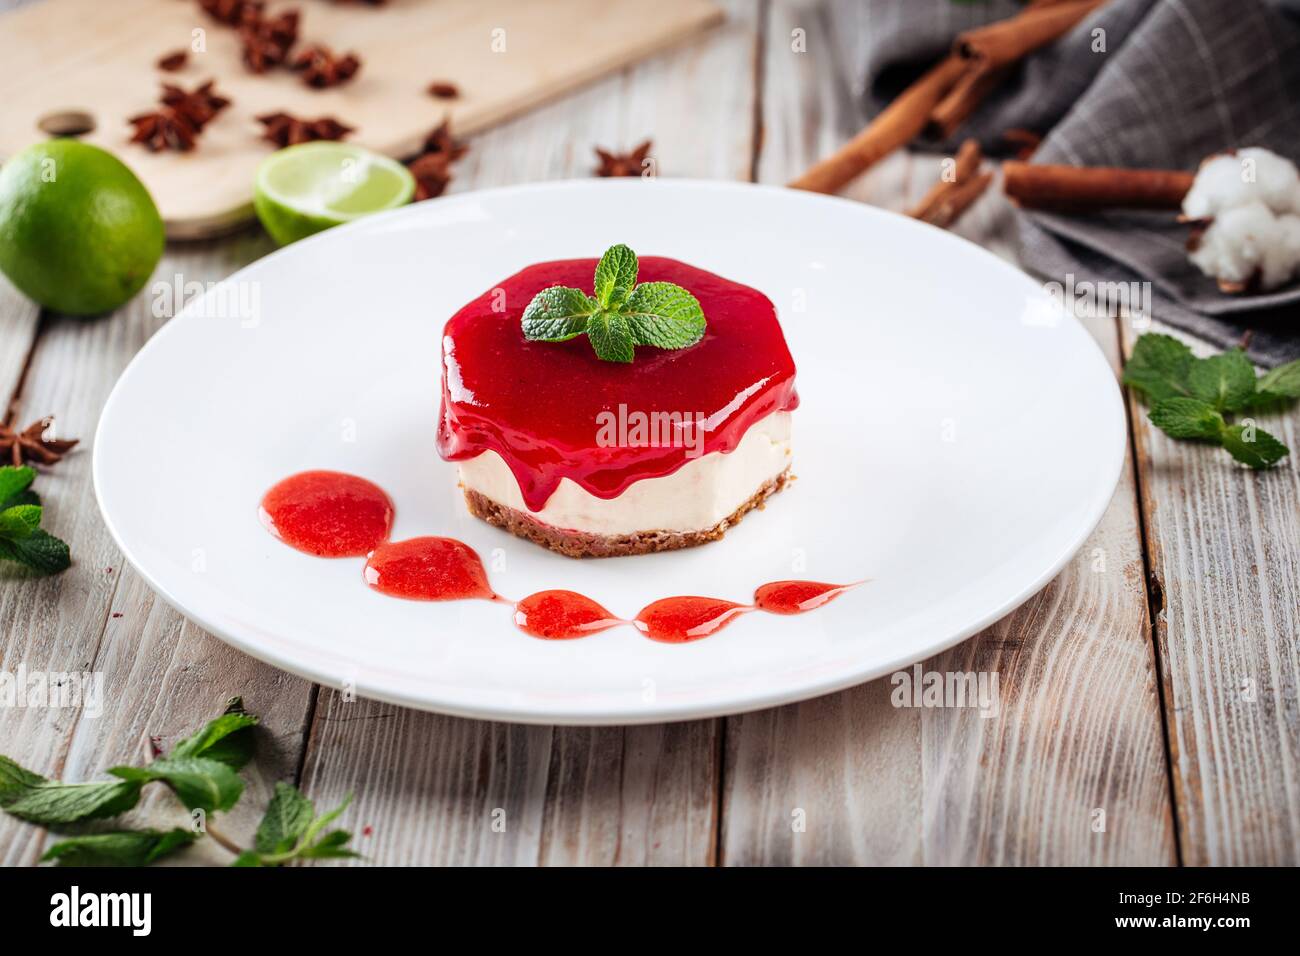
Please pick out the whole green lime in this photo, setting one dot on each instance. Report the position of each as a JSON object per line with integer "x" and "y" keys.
{"x": 79, "y": 233}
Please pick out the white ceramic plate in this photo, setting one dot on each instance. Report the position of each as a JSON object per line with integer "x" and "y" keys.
{"x": 959, "y": 437}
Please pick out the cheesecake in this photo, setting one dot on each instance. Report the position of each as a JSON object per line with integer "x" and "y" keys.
{"x": 591, "y": 442}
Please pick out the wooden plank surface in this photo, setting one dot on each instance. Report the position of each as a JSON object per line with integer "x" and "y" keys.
{"x": 850, "y": 778}
{"x": 1224, "y": 546}
{"x": 161, "y": 675}
{"x": 430, "y": 788}
{"x": 504, "y": 56}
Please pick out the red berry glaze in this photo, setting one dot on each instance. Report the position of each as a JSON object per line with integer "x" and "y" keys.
{"x": 536, "y": 403}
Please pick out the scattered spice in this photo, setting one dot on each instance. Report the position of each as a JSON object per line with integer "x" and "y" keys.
{"x": 285, "y": 130}
{"x": 181, "y": 119}
{"x": 267, "y": 40}
{"x": 173, "y": 61}
{"x": 321, "y": 67}
{"x": 432, "y": 168}
{"x": 442, "y": 90}
{"x": 233, "y": 12}
{"x": 622, "y": 164}
{"x": 31, "y": 446}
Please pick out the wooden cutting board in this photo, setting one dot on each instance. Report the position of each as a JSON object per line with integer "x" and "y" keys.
{"x": 65, "y": 60}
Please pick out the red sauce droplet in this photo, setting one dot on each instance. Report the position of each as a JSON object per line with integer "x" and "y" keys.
{"x": 675, "y": 620}
{"x": 328, "y": 513}
{"x": 560, "y": 615}
{"x": 428, "y": 569}
{"x": 795, "y": 597}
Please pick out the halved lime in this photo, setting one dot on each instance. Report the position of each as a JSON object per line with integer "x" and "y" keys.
{"x": 307, "y": 188}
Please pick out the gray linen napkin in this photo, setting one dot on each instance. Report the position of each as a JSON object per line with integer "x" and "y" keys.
{"x": 1178, "y": 80}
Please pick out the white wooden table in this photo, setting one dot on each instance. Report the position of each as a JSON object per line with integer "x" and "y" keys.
{"x": 1153, "y": 682}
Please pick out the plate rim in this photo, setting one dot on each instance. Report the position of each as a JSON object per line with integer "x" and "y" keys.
{"x": 279, "y": 656}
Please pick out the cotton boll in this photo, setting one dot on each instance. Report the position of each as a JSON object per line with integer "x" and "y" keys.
{"x": 1248, "y": 242}
{"x": 1248, "y": 175}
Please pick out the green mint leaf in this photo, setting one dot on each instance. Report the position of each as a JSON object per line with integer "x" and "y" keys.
{"x": 1187, "y": 418}
{"x": 39, "y": 551}
{"x": 14, "y": 481}
{"x": 1226, "y": 381}
{"x": 664, "y": 315}
{"x": 16, "y": 780}
{"x": 615, "y": 276}
{"x": 1159, "y": 367}
{"x": 291, "y": 831}
{"x": 1280, "y": 383}
{"x": 25, "y": 497}
{"x": 51, "y": 803}
{"x": 198, "y": 782}
{"x": 227, "y": 740}
{"x": 1253, "y": 446}
{"x": 121, "y": 848}
{"x": 287, "y": 818}
{"x": 31, "y": 797}
{"x": 19, "y": 521}
{"x": 557, "y": 314}
{"x": 611, "y": 337}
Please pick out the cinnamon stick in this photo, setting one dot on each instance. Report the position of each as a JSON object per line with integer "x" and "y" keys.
{"x": 898, "y": 124}
{"x": 966, "y": 164}
{"x": 955, "y": 201}
{"x": 1082, "y": 188}
{"x": 968, "y": 93}
{"x": 1009, "y": 40}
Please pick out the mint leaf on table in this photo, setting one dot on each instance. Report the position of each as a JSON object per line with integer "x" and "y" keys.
{"x": 1280, "y": 383}
{"x": 621, "y": 315}
{"x": 119, "y": 848}
{"x": 31, "y": 797}
{"x": 1253, "y": 446}
{"x": 1159, "y": 367}
{"x": 1191, "y": 398}
{"x": 1187, "y": 418}
{"x": 290, "y": 830}
{"x": 287, "y": 818}
{"x": 40, "y": 551}
{"x": 21, "y": 538}
{"x": 13, "y": 482}
{"x": 198, "y": 782}
{"x": 228, "y": 739}
{"x": 1226, "y": 381}
{"x": 19, "y": 521}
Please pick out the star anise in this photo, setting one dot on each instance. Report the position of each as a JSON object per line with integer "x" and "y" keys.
{"x": 233, "y": 12}
{"x": 321, "y": 67}
{"x": 285, "y": 130}
{"x": 198, "y": 106}
{"x": 31, "y": 445}
{"x": 432, "y": 168}
{"x": 163, "y": 129}
{"x": 267, "y": 40}
{"x": 622, "y": 164}
{"x": 180, "y": 120}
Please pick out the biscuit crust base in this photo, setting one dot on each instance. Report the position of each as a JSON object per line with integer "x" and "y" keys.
{"x": 581, "y": 544}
